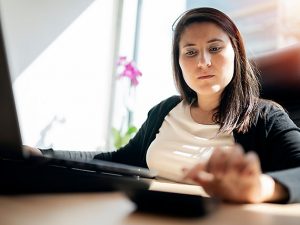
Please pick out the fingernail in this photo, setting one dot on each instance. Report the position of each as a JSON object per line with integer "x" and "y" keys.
{"x": 205, "y": 176}
{"x": 251, "y": 156}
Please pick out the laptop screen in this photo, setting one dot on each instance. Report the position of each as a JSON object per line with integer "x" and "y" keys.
{"x": 10, "y": 137}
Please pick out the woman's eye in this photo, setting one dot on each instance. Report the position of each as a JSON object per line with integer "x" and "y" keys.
{"x": 190, "y": 53}
{"x": 214, "y": 49}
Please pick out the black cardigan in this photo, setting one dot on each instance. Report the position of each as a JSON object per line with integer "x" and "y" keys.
{"x": 273, "y": 136}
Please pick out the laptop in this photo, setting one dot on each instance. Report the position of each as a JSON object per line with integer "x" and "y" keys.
{"x": 25, "y": 173}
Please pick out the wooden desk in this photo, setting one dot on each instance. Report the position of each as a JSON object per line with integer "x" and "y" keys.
{"x": 115, "y": 208}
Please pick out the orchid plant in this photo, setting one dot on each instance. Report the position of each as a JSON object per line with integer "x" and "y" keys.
{"x": 127, "y": 70}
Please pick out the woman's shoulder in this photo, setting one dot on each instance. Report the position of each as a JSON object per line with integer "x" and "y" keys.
{"x": 175, "y": 99}
{"x": 269, "y": 106}
{"x": 269, "y": 110}
{"x": 167, "y": 104}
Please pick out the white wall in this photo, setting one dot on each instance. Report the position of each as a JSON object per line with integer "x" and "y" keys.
{"x": 61, "y": 58}
{"x": 34, "y": 24}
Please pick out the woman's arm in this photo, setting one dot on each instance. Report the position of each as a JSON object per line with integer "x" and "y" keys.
{"x": 71, "y": 155}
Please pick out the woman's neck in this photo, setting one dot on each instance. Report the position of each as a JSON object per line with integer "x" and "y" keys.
{"x": 207, "y": 104}
{"x": 203, "y": 109}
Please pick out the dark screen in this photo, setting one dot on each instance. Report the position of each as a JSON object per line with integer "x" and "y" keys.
{"x": 10, "y": 138}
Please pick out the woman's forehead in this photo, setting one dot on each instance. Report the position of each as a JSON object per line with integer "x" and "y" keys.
{"x": 203, "y": 31}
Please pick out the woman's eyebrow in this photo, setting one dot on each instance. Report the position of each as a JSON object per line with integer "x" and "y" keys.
{"x": 215, "y": 40}
{"x": 188, "y": 45}
{"x": 209, "y": 41}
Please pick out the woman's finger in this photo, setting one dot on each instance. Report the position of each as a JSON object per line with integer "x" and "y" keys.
{"x": 217, "y": 161}
{"x": 203, "y": 179}
{"x": 193, "y": 172}
{"x": 252, "y": 164}
{"x": 236, "y": 160}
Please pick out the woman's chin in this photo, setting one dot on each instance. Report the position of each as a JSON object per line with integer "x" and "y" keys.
{"x": 210, "y": 91}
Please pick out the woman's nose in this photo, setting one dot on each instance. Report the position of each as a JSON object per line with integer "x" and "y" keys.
{"x": 204, "y": 60}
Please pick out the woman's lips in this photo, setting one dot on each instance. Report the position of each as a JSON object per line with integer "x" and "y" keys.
{"x": 203, "y": 77}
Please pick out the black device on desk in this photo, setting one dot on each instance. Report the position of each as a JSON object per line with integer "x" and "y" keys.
{"x": 173, "y": 204}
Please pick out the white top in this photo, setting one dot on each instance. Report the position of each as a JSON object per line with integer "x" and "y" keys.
{"x": 182, "y": 142}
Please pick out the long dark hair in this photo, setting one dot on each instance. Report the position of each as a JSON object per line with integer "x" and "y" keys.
{"x": 239, "y": 99}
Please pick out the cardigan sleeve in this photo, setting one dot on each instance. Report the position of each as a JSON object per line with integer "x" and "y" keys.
{"x": 71, "y": 155}
{"x": 283, "y": 138}
{"x": 290, "y": 178}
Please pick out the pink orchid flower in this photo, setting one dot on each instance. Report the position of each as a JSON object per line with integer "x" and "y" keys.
{"x": 130, "y": 70}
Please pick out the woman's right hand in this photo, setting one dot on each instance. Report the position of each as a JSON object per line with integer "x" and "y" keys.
{"x": 28, "y": 150}
{"x": 236, "y": 176}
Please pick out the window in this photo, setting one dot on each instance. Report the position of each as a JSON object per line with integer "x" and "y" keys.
{"x": 61, "y": 57}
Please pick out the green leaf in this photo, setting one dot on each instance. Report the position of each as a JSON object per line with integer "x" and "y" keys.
{"x": 117, "y": 138}
{"x": 131, "y": 130}
{"x": 122, "y": 139}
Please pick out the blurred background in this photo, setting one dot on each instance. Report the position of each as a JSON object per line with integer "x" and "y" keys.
{"x": 63, "y": 57}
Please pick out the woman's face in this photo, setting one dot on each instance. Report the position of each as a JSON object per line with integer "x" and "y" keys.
{"x": 206, "y": 58}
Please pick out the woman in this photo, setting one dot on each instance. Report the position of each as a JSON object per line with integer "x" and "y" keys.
{"x": 218, "y": 132}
